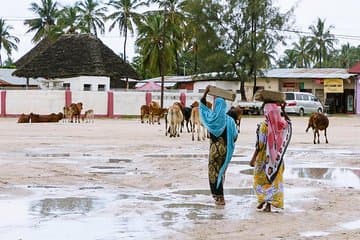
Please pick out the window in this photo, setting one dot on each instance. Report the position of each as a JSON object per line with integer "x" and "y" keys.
{"x": 87, "y": 87}
{"x": 66, "y": 86}
{"x": 289, "y": 96}
{"x": 305, "y": 97}
{"x": 101, "y": 87}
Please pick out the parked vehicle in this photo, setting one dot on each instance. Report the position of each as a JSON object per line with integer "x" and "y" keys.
{"x": 251, "y": 107}
{"x": 302, "y": 103}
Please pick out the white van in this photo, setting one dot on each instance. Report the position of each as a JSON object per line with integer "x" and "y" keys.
{"x": 302, "y": 103}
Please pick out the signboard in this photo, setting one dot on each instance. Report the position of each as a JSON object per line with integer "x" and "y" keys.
{"x": 333, "y": 85}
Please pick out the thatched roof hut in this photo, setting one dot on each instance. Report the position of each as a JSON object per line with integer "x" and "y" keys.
{"x": 74, "y": 55}
{"x": 39, "y": 48}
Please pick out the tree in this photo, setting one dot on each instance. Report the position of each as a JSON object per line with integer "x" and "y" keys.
{"x": 125, "y": 17}
{"x": 7, "y": 40}
{"x": 299, "y": 55}
{"x": 70, "y": 20}
{"x": 321, "y": 43}
{"x": 150, "y": 43}
{"x": 251, "y": 30}
{"x": 44, "y": 24}
{"x": 202, "y": 42}
{"x": 92, "y": 16}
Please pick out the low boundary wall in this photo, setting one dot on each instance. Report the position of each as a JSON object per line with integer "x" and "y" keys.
{"x": 105, "y": 104}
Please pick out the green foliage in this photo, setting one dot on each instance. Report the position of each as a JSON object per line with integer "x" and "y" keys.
{"x": 7, "y": 41}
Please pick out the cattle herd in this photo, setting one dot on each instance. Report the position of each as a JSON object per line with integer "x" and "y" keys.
{"x": 177, "y": 116}
{"x": 71, "y": 113}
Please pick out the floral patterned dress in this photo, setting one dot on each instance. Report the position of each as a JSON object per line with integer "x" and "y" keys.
{"x": 266, "y": 191}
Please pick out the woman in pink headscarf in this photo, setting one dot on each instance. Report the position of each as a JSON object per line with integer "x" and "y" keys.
{"x": 273, "y": 137}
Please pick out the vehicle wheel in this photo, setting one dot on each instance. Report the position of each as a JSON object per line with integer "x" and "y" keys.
{"x": 320, "y": 110}
{"x": 301, "y": 112}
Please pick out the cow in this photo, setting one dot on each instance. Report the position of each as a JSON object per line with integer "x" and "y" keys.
{"x": 67, "y": 114}
{"x": 174, "y": 118}
{"x": 75, "y": 111}
{"x": 88, "y": 116}
{"x": 53, "y": 117}
{"x": 196, "y": 104}
{"x": 156, "y": 114}
{"x": 318, "y": 122}
{"x": 144, "y": 112}
{"x": 24, "y": 118}
{"x": 236, "y": 112}
{"x": 197, "y": 125}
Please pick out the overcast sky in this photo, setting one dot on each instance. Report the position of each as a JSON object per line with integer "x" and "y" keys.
{"x": 343, "y": 15}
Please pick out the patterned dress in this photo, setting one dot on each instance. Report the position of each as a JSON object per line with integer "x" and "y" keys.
{"x": 217, "y": 156}
{"x": 266, "y": 191}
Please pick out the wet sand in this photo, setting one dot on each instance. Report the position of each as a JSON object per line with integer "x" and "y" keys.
{"x": 119, "y": 178}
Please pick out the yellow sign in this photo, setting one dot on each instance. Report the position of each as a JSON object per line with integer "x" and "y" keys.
{"x": 333, "y": 85}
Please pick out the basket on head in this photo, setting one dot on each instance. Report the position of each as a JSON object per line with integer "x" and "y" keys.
{"x": 267, "y": 96}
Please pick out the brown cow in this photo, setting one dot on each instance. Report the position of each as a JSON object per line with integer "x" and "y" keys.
{"x": 53, "y": 117}
{"x": 157, "y": 113}
{"x": 24, "y": 118}
{"x": 318, "y": 122}
{"x": 236, "y": 112}
{"x": 75, "y": 111}
{"x": 144, "y": 112}
{"x": 67, "y": 114}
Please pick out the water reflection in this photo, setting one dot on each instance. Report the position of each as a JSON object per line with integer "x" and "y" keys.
{"x": 63, "y": 206}
{"x": 341, "y": 177}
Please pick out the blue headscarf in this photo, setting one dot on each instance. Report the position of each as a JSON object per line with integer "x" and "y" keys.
{"x": 216, "y": 121}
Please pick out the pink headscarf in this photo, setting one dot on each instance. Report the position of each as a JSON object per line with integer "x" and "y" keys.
{"x": 276, "y": 127}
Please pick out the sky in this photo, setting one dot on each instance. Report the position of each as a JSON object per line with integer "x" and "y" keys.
{"x": 342, "y": 15}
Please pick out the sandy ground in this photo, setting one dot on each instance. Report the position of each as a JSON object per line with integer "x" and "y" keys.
{"x": 156, "y": 187}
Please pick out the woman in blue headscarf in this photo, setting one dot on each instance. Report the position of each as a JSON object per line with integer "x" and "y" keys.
{"x": 223, "y": 135}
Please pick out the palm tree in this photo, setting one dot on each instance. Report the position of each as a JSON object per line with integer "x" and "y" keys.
{"x": 69, "y": 20}
{"x": 322, "y": 41}
{"x": 45, "y": 22}
{"x": 300, "y": 53}
{"x": 153, "y": 45}
{"x": 92, "y": 16}
{"x": 125, "y": 17}
{"x": 6, "y": 39}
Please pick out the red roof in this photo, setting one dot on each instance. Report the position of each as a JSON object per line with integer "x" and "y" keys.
{"x": 150, "y": 86}
{"x": 355, "y": 68}
{"x": 4, "y": 83}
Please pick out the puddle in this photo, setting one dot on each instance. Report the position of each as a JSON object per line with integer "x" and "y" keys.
{"x": 63, "y": 206}
{"x": 231, "y": 191}
{"x": 341, "y": 177}
{"x": 42, "y": 186}
{"x": 351, "y": 225}
{"x": 107, "y": 167}
{"x": 53, "y": 155}
{"x": 118, "y": 160}
{"x": 314, "y": 234}
{"x": 186, "y": 155}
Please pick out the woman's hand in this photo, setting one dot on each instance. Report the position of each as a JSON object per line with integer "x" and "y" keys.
{"x": 253, "y": 159}
{"x": 207, "y": 89}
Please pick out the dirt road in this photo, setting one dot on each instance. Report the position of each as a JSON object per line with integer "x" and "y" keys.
{"x": 119, "y": 178}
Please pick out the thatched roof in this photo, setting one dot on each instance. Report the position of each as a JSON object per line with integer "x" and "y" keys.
{"x": 39, "y": 48}
{"x": 74, "y": 55}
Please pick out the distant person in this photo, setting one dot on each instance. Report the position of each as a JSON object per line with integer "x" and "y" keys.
{"x": 223, "y": 134}
{"x": 273, "y": 137}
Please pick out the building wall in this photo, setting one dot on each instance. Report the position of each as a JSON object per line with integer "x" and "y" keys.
{"x": 77, "y": 83}
{"x": 36, "y": 101}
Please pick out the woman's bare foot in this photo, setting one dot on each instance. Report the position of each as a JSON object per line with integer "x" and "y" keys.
{"x": 267, "y": 207}
{"x": 220, "y": 201}
{"x": 260, "y": 206}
